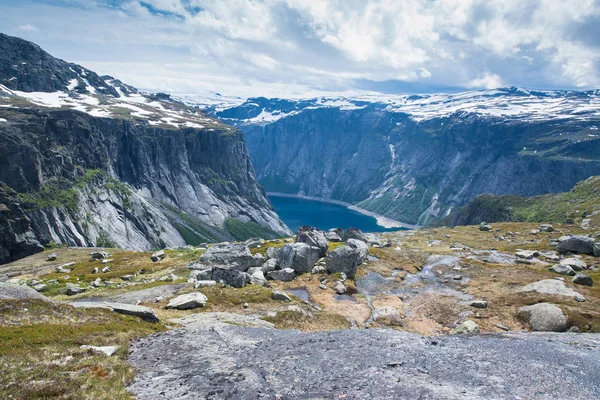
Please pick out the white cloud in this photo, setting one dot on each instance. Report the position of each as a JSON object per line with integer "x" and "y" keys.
{"x": 245, "y": 45}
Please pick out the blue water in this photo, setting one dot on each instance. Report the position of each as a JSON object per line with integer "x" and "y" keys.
{"x": 298, "y": 212}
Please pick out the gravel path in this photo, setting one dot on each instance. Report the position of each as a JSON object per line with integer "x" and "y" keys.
{"x": 211, "y": 359}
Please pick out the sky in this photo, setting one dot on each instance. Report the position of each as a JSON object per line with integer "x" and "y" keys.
{"x": 279, "y": 48}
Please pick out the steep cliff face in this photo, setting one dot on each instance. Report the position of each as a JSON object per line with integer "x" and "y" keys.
{"x": 416, "y": 162}
{"x": 93, "y": 168}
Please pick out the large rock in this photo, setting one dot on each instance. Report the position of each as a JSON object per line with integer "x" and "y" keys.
{"x": 354, "y": 233}
{"x": 99, "y": 255}
{"x": 269, "y": 265}
{"x": 159, "y": 255}
{"x": 552, "y": 287}
{"x": 546, "y": 228}
{"x": 575, "y": 263}
{"x": 333, "y": 237}
{"x": 583, "y": 279}
{"x": 10, "y": 291}
{"x": 236, "y": 256}
{"x": 562, "y": 269}
{"x": 362, "y": 248}
{"x": 229, "y": 276}
{"x": 188, "y": 301}
{"x": 201, "y": 274}
{"x": 142, "y": 312}
{"x": 467, "y": 326}
{"x": 286, "y": 275}
{"x": 597, "y": 249}
{"x": 272, "y": 252}
{"x": 300, "y": 257}
{"x": 258, "y": 278}
{"x": 544, "y": 317}
{"x": 344, "y": 259}
{"x": 576, "y": 244}
{"x": 484, "y": 227}
{"x": 313, "y": 237}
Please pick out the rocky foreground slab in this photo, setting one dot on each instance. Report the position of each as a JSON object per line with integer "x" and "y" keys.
{"x": 213, "y": 359}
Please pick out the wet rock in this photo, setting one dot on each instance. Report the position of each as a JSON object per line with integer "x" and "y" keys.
{"x": 236, "y": 256}
{"x": 188, "y": 301}
{"x": 562, "y": 269}
{"x": 10, "y": 291}
{"x": 269, "y": 265}
{"x": 552, "y": 287}
{"x": 258, "y": 278}
{"x": 544, "y": 317}
{"x": 229, "y": 276}
{"x": 285, "y": 275}
{"x": 582, "y": 279}
{"x": 298, "y": 256}
{"x": 479, "y": 304}
{"x": 354, "y": 233}
{"x": 204, "y": 283}
{"x": 281, "y": 296}
{"x": 51, "y": 257}
{"x": 313, "y": 237}
{"x": 159, "y": 255}
{"x": 339, "y": 287}
{"x": 388, "y": 316}
{"x": 254, "y": 242}
{"x": 107, "y": 350}
{"x": 467, "y": 326}
{"x": 484, "y": 227}
{"x": 575, "y": 263}
{"x": 344, "y": 259}
{"x": 99, "y": 255}
{"x": 576, "y": 244}
{"x": 546, "y": 228}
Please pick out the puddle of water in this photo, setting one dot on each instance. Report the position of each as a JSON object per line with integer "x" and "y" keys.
{"x": 345, "y": 297}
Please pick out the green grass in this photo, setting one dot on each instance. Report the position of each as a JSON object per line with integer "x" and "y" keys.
{"x": 245, "y": 230}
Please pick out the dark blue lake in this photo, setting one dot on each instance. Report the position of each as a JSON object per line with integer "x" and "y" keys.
{"x": 297, "y": 212}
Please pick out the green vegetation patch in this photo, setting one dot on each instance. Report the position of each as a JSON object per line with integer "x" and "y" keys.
{"x": 245, "y": 230}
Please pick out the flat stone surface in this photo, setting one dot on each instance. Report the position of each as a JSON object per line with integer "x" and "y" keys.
{"x": 551, "y": 286}
{"x": 138, "y": 296}
{"x": 13, "y": 291}
{"x": 216, "y": 360}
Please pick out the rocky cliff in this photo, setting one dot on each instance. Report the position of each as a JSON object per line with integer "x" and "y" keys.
{"x": 416, "y": 158}
{"x": 88, "y": 161}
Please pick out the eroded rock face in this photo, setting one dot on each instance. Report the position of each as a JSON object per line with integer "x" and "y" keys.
{"x": 544, "y": 317}
{"x": 576, "y": 244}
{"x": 300, "y": 257}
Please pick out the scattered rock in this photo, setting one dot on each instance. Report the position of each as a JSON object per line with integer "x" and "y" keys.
{"x": 582, "y": 279}
{"x": 51, "y": 257}
{"x": 322, "y": 286}
{"x": 281, "y": 296}
{"x": 344, "y": 259}
{"x": 272, "y": 252}
{"x": 318, "y": 269}
{"x": 286, "y": 275}
{"x": 503, "y": 327}
{"x": 597, "y": 249}
{"x": 553, "y": 287}
{"x": 576, "y": 244}
{"x": 269, "y": 265}
{"x": 236, "y": 256}
{"x": 388, "y": 316}
{"x": 354, "y": 233}
{"x": 543, "y": 317}
{"x": 479, "y": 304}
{"x": 259, "y": 260}
{"x": 105, "y": 270}
{"x": 98, "y": 255}
{"x": 298, "y": 256}
{"x": 562, "y": 269}
{"x": 145, "y": 313}
{"x": 457, "y": 277}
{"x": 188, "y": 301}
{"x": 361, "y": 247}
{"x": 254, "y": 242}
{"x": 467, "y": 326}
{"x": 204, "y": 283}
{"x": 108, "y": 350}
{"x": 229, "y": 276}
{"x": 201, "y": 275}
{"x": 95, "y": 270}
{"x": 333, "y": 237}
{"x": 159, "y": 255}
{"x": 258, "y": 278}
{"x": 97, "y": 283}
{"x": 485, "y": 227}
{"x": 575, "y": 263}
{"x": 74, "y": 289}
{"x": 339, "y": 287}
{"x": 527, "y": 254}
{"x": 40, "y": 287}
{"x": 108, "y": 260}
{"x": 62, "y": 270}
{"x": 313, "y": 237}
{"x": 127, "y": 278}
{"x": 546, "y": 228}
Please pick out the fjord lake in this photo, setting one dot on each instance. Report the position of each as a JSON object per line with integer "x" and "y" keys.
{"x": 296, "y": 212}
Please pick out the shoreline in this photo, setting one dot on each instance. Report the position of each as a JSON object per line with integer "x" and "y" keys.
{"x": 382, "y": 221}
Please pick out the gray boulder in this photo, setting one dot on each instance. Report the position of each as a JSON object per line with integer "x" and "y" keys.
{"x": 98, "y": 255}
{"x": 269, "y": 265}
{"x": 484, "y": 227}
{"x": 254, "y": 242}
{"x": 583, "y": 279}
{"x": 229, "y": 276}
{"x": 597, "y": 249}
{"x": 467, "y": 326}
{"x": 344, "y": 259}
{"x": 188, "y": 301}
{"x": 159, "y": 255}
{"x": 339, "y": 287}
{"x": 204, "y": 283}
{"x": 333, "y": 237}
{"x": 362, "y": 248}
{"x": 562, "y": 269}
{"x": 479, "y": 304}
{"x": 575, "y": 263}
{"x": 236, "y": 256}
{"x": 552, "y": 287}
{"x": 354, "y": 233}
{"x": 10, "y": 291}
{"x": 313, "y": 237}
{"x": 259, "y": 260}
{"x": 201, "y": 274}
{"x": 544, "y": 317}
{"x": 576, "y": 244}
{"x": 300, "y": 257}
{"x": 281, "y": 296}
{"x": 546, "y": 228}
{"x": 286, "y": 275}
{"x": 272, "y": 252}
{"x": 145, "y": 313}
{"x": 258, "y": 278}
{"x": 51, "y": 257}
{"x": 74, "y": 289}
